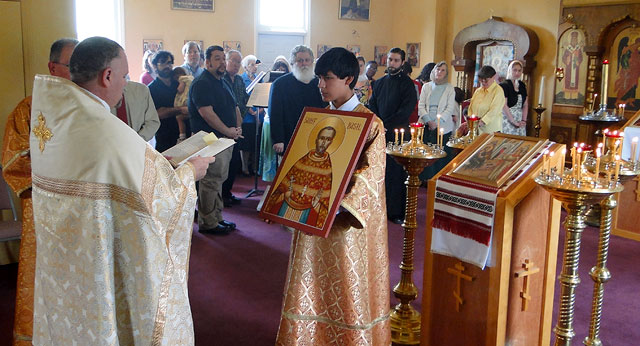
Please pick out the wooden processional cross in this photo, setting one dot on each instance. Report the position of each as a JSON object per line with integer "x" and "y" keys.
{"x": 459, "y": 268}
{"x": 529, "y": 269}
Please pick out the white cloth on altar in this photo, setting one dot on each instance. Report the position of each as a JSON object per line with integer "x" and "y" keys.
{"x": 113, "y": 225}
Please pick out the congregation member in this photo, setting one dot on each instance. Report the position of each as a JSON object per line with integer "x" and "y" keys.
{"x": 136, "y": 109}
{"x": 180, "y": 75}
{"x": 487, "y": 102}
{"x": 363, "y": 86}
{"x": 317, "y": 307}
{"x": 247, "y": 144}
{"x": 516, "y": 107}
{"x": 372, "y": 69}
{"x": 163, "y": 92}
{"x": 192, "y": 59}
{"x": 425, "y": 74}
{"x": 393, "y": 99}
{"x": 149, "y": 73}
{"x": 231, "y": 76}
{"x": 290, "y": 94}
{"x": 213, "y": 108}
{"x": 438, "y": 97}
{"x": 16, "y": 170}
{"x": 113, "y": 219}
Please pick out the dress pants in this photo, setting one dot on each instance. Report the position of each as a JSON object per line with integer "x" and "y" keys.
{"x": 395, "y": 177}
{"x": 234, "y": 166}
{"x": 210, "y": 203}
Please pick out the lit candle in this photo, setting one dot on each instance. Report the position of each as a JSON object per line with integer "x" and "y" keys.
{"x": 593, "y": 102}
{"x": 564, "y": 159}
{"x": 401, "y": 136}
{"x": 441, "y": 137}
{"x": 545, "y": 161}
{"x": 605, "y": 82}
{"x": 618, "y": 146}
{"x": 579, "y": 161}
{"x": 597, "y": 165}
{"x": 624, "y": 106}
{"x": 396, "y": 141}
{"x": 615, "y": 177}
{"x": 550, "y": 158}
{"x": 541, "y": 90}
{"x": 634, "y": 147}
{"x": 573, "y": 159}
{"x": 604, "y": 135}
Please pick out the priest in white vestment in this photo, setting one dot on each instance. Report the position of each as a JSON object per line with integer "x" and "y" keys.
{"x": 113, "y": 219}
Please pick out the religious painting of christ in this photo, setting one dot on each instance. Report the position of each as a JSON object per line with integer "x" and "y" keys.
{"x": 354, "y": 9}
{"x": 624, "y": 70}
{"x": 573, "y": 59}
{"x": 315, "y": 170}
{"x": 497, "y": 159}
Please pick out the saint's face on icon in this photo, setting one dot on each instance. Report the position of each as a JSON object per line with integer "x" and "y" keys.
{"x": 324, "y": 139}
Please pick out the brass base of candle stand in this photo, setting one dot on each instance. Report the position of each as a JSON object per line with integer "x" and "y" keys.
{"x": 405, "y": 326}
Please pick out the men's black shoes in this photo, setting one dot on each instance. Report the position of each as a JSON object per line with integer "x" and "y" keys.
{"x": 220, "y": 230}
{"x": 229, "y": 225}
{"x": 231, "y": 201}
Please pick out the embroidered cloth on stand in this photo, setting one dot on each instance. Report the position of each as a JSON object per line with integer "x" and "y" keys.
{"x": 463, "y": 220}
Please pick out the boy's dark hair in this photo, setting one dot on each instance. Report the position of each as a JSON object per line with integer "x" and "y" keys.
{"x": 425, "y": 74}
{"x": 162, "y": 56}
{"x": 212, "y": 49}
{"x": 406, "y": 67}
{"x": 397, "y": 51}
{"x": 341, "y": 62}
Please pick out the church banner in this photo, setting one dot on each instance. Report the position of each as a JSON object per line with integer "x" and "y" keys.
{"x": 316, "y": 169}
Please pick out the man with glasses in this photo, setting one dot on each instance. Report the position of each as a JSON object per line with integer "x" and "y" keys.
{"x": 16, "y": 169}
{"x": 290, "y": 94}
{"x": 163, "y": 91}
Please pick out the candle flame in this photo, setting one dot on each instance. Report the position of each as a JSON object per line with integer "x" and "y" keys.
{"x": 402, "y": 130}
{"x": 600, "y": 145}
{"x": 396, "y": 130}
{"x": 438, "y": 116}
{"x": 442, "y": 131}
{"x": 605, "y": 130}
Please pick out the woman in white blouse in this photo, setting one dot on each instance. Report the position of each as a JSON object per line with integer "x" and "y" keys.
{"x": 438, "y": 97}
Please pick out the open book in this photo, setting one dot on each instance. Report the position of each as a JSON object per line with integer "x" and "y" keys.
{"x": 200, "y": 144}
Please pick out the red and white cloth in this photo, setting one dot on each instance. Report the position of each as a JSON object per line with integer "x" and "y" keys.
{"x": 463, "y": 217}
{"x": 463, "y": 220}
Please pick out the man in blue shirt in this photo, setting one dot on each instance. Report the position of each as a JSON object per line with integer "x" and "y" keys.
{"x": 191, "y": 52}
{"x": 212, "y": 107}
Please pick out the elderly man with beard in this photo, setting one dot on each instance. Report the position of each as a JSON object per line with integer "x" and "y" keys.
{"x": 393, "y": 99}
{"x": 163, "y": 92}
{"x": 290, "y": 94}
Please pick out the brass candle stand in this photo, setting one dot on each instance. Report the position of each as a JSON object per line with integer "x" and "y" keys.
{"x": 600, "y": 273}
{"x": 414, "y": 156}
{"x": 466, "y": 140}
{"x": 539, "y": 110}
{"x": 577, "y": 190}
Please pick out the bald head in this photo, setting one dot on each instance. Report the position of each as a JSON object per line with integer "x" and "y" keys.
{"x": 99, "y": 65}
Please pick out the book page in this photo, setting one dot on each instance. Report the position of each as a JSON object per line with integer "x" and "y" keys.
{"x": 260, "y": 95}
{"x": 202, "y": 144}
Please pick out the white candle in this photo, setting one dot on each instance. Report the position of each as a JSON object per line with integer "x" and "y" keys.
{"x": 634, "y": 148}
{"x": 541, "y": 90}
{"x": 605, "y": 82}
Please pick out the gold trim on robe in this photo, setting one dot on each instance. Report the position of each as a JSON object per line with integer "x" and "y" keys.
{"x": 16, "y": 170}
{"x": 337, "y": 289}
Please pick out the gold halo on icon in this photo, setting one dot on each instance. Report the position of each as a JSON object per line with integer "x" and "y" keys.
{"x": 337, "y": 124}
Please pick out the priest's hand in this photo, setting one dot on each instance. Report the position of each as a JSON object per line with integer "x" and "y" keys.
{"x": 278, "y": 148}
{"x": 200, "y": 165}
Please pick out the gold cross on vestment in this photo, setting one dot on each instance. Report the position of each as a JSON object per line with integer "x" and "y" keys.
{"x": 529, "y": 269}
{"x": 459, "y": 268}
{"x": 42, "y": 131}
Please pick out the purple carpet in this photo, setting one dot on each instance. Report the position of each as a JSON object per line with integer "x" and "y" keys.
{"x": 236, "y": 281}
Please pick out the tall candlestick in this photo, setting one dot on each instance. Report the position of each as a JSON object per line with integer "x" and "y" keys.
{"x": 634, "y": 147}
{"x": 401, "y": 136}
{"x": 541, "y": 90}
{"x": 605, "y": 82}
